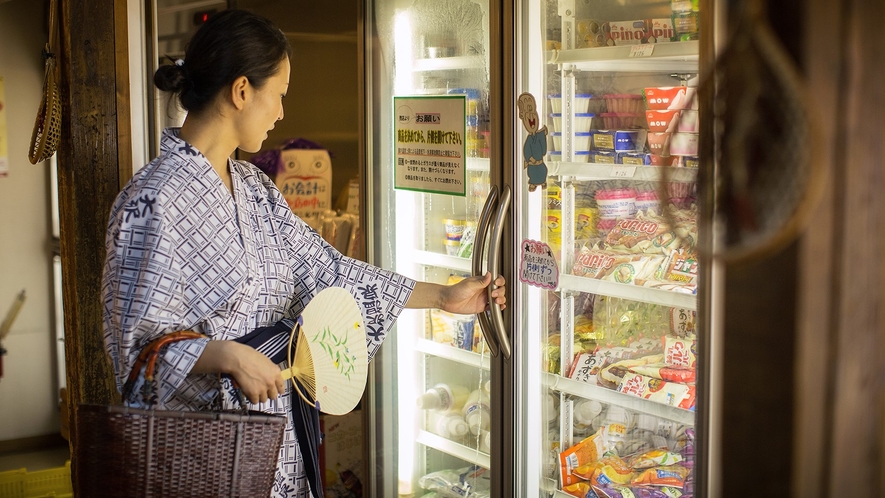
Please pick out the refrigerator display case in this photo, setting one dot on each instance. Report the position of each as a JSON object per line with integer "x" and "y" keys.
{"x": 595, "y": 374}
{"x": 617, "y": 387}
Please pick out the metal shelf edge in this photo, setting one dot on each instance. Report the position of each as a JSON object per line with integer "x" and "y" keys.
{"x": 634, "y": 292}
{"x": 465, "y": 357}
{"x": 452, "y": 448}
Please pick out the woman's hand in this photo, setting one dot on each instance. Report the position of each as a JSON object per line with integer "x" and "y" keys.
{"x": 258, "y": 378}
{"x": 469, "y": 296}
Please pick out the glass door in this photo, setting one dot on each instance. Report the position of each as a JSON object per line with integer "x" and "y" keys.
{"x": 429, "y": 165}
{"x": 607, "y": 382}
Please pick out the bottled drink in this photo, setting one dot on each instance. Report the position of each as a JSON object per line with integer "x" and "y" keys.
{"x": 485, "y": 438}
{"x": 350, "y": 480}
{"x": 451, "y": 426}
{"x": 443, "y": 398}
{"x": 476, "y": 412}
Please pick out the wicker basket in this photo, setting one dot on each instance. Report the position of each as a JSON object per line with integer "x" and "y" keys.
{"x": 132, "y": 452}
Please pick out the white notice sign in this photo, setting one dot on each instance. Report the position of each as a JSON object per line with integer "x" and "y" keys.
{"x": 430, "y": 144}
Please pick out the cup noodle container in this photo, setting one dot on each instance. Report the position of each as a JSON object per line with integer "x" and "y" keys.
{"x": 616, "y": 203}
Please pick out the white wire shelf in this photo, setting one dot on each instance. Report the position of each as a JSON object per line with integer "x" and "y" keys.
{"x": 599, "y": 171}
{"x": 673, "y": 56}
{"x": 462, "y": 356}
{"x": 470, "y": 455}
{"x": 430, "y": 258}
{"x": 449, "y": 63}
{"x": 626, "y": 291}
{"x": 603, "y": 395}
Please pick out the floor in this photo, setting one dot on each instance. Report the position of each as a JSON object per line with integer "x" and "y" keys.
{"x": 35, "y": 460}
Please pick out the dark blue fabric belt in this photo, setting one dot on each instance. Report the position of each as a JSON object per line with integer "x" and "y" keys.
{"x": 273, "y": 341}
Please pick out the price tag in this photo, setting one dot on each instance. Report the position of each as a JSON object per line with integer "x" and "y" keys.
{"x": 642, "y": 50}
{"x": 623, "y": 171}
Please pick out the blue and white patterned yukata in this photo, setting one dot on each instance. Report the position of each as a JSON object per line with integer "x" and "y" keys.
{"x": 183, "y": 254}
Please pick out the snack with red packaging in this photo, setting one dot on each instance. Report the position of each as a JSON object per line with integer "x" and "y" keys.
{"x": 586, "y": 451}
{"x": 667, "y": 393}
{"x": 666, "y": 372}
{"x": 680, "y": 352}
{"x": 671, "y": 97}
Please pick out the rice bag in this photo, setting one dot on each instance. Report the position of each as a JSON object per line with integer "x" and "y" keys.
{"x": 659, "y": 391}
{"x": 653, "y": 458}
{"x": 615, "y": 491}
{"x": 468, "y": 482}
{"x": 608, "y": 470}
{"x": 666, "y": 372}
{"x": 586, "y": 451}
{"x": 680, "y": 352}
{"x": 669, "y": 475}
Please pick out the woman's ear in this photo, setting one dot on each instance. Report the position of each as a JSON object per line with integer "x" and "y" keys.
{"x": 239, "y": 91}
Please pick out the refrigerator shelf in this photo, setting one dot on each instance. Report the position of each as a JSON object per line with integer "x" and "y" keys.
{"x": 552, "y": 488}
{"x": 463, "y": 356}
{"x": 633, "y": 292}
{"x": 671, "y": 57}
{"x": 430, "y": 258}
{"x": 470, "y": 455}
{"x": 448, "y": 63}
{"x": 599, "y": 171}
{"x": 603, "y": 395}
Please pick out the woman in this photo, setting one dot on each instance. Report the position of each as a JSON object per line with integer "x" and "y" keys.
{"x": 197, "y": 241}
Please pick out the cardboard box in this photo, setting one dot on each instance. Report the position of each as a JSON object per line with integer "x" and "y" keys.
{"x": 341, "y": 455}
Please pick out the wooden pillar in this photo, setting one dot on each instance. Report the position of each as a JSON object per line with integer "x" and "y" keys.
{"x": 94, "y": 159}
{"x": 839, "y": 447}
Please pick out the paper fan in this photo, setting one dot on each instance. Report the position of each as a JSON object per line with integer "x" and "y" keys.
{"x": 330, "y": 359}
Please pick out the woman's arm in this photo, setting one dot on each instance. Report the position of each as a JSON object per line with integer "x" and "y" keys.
{"x": 257, "y": 376}
{"x": 467, "y": 297}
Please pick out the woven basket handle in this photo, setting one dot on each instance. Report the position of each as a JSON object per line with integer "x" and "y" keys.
{"x": 148, "y": 358}
{"x": 53, "y": 25}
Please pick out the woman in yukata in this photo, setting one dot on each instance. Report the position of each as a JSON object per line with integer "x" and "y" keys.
{"x": 198, "y": 241}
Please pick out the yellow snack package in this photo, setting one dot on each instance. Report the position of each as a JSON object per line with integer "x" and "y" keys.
{"x": 587, "y": 451}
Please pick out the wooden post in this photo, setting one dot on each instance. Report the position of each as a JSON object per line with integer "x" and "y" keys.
{"x": 94, "y": 159}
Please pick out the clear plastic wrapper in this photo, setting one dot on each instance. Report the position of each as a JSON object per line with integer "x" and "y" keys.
{"x": 469, "y": 482}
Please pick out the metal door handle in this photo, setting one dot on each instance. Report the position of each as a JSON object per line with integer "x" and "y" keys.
{"x": 494, "y": 258}
{"x": 478, "y": 248}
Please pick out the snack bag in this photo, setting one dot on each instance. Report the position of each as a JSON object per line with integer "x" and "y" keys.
{"x": 609, "y": 470}
{"x": 586, "y": 451}
{"x": 653, "y": 458}
{"x": 666, "y": 393}
{"x": 666, "y": 372}
{"x": 579, "y": 489}
{"x": 641, "y": 234}
{"x": 669, "y": 475}
{"x": 470, "y": 481}
{"x": 680, "y": 352}
{"x": 615, "y": 491}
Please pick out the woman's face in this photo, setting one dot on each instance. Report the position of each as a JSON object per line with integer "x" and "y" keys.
{"x": 264, "y": 109}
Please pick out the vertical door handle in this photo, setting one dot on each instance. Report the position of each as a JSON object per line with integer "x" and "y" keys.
{"x": 494, "y": 260}
{"x": 478, "y": 249}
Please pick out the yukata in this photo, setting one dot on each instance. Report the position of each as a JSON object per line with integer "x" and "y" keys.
{"x": 185, "y": 254}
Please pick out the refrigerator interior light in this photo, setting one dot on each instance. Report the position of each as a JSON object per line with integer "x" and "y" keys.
{"x": 402, "y": 58}
{"x": 405, "y": 337}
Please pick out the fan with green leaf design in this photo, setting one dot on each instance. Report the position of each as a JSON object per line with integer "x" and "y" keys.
{"x": 330, "y": 358}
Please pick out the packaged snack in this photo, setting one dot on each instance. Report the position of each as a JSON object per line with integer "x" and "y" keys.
{"x": 688, "y": 122}
{"x": 619, "y": 140}
{"x": 616, "y": 203}
{"x": 588, "y": 450}
{"x": 672, "y": 97}
{"x": 616, "y": 491}
{"x": 680, "y": 352}
{"x": 629, "y": 233}
{"x": 635, "y": 272}
{"x": 608, "y": 470}
{"x": 647, "y": 200}
{"x": 660, "y": 31}
{"x": 635, "y": 158}
{"x": 682, "y": 267}
{"x": 590, "y": 263}
{"x": 603, "y": 156}
{"x": 659, "y": 143}
{"x": 659, "y": 160}
{"x": 654, "y": 458}
{"x": 585, "y": 222}
{"x": 612, "y": 375}
{"x": 470, "y": 482}
{"x": 682, "y": 322}
{"x": 579, "y": 489}
{"x": 625, "y": 32}
{"x": 663, "y": 121}
{"x": 669, "y": 475}
{"x": 683, "y": 144}
{"x": 585, "y": 368}
{"x": 666, "y": 372}
{"x": 623, "y": 102}
{"x": 659, "y": 391}
{"x": 590, "y": 33}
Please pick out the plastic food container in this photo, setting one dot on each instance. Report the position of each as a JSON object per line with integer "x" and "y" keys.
{"x": 583, "y": 121}
{"x": 616, "y": 203}
{"x": 646, "y": 200}
{"x": 659, "y": 143}
{"x": 684, "y": 144}
{"x": 622, "y": 120}
{"x": 580, "y": 141}
{"x": 623, "y": 102}
{"x": 666, "y": 120}
{"x": 671, "y": 97}
{"x": 604, "y": 157}
{"x": 635, "y": 158}
{"x": 584, "y": 102}
{"x": 556, "y": 119}
{"x": 619, "y": 140}
{"x": 688, "y": 123}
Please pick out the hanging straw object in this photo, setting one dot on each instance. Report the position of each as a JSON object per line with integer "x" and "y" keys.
{"x": 47, "y": 128}
{"x": 330, "y": 359}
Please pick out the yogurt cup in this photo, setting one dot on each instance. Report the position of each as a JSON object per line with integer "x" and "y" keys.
{"x": 583, "y": 121}
{"x": 580, "y": 140}
{"x": 646, "y": 200}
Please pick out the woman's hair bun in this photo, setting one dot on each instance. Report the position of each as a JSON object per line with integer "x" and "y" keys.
{"x": 170, "y": 78}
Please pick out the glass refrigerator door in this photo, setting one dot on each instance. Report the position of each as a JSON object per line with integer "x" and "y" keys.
{"x": 607, "y": 382}
{"x": 429, "y": 393}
